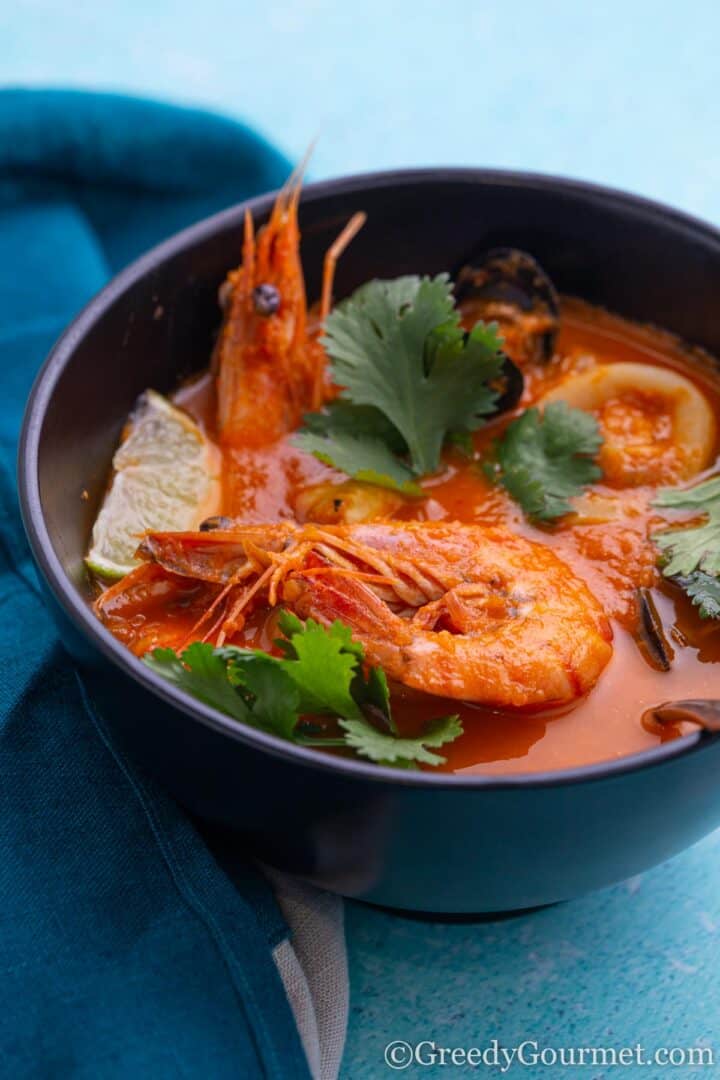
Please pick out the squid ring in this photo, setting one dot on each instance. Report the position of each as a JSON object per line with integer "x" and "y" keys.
{"x": 658, "y": 427}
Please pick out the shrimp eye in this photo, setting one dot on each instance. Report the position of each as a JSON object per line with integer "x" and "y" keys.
{"x": 217, "y": 522}
{"x": 266, "y": 300}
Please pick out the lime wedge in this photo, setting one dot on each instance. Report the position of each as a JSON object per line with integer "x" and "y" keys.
{"x": 166, "y": 476}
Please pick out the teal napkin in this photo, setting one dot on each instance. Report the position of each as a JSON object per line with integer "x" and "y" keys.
{"x": 126, "y": 950}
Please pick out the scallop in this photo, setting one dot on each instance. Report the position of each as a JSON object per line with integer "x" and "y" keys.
{"x": 346, "y": 504}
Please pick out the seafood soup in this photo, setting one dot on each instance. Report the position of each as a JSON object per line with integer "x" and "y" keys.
{"x": 455, "y": 523}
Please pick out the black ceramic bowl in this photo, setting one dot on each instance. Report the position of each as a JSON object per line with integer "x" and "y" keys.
{"x": 421, "y": 841}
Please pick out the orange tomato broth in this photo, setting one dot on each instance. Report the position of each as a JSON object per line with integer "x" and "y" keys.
{"x": 261, "y": 484}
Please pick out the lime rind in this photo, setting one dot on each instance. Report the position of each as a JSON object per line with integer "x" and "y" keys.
{"x": 165, "y": 478}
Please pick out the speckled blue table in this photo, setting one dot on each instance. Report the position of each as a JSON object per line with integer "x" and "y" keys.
{"x": 626, "y": 93}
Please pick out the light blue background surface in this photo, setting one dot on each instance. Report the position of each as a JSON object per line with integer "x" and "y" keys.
{"x": 622, "y": 93}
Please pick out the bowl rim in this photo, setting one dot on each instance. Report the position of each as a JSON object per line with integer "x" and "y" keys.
{"x": 79, "y": 612}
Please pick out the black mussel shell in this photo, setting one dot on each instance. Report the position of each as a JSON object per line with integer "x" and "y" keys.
{"x": 512, "y": 384}
{"x": 509, "y": 385}
{"x": 508, "y": 286}
{"x": 704, "y": 712}
{"x": 650, "y": 633}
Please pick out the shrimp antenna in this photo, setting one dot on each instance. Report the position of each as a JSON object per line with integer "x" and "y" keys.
{"x": 332, "y": 255}
{"x": 290, "y": 191}
{"x": 248, "y": 253}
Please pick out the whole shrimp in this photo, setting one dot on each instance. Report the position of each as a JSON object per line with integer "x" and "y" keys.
{"x": 462, "y": 611}
{"x": 270, "y": 368}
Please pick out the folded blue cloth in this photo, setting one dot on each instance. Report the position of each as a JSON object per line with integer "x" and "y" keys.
{"x": 125, "y": 949}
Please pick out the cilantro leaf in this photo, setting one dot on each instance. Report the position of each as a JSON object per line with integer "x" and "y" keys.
{"x": 544, "y": 460}
{"x": 372, "y": 693}
{"x": 685, "y": 550}
{"x": 360, "y": 441}
{"x": 411, "y": 379}
{"x": 397, "y": 346}
{"x": 292, "y": 626}
{"x": 400, "y": 292}
{"x": 704, "y": 591}
{"x": 200, "y": 672}
{"x": 289, "y": 624}
{"x": 321, "y": 672}
{"x": 462, "y": 444}
{"x": 361, "y": 457}
{"x": 389, "y": 749}
{"x": 343, "y": 418}
{"x": 690, "y": 555}
{"x": 322, "y": 665}
{"x": 461, "y": 368}
{"x": 272, "y": 695}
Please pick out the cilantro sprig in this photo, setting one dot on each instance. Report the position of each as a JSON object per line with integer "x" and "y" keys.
{"x": 543, "y": 460}
{"x": 360, "y": 441}
{"x": 412, "y": 379}
{"x": 321, "y": 674}
{"x": 690, "y": 556}
{"x": 704, "y": 592}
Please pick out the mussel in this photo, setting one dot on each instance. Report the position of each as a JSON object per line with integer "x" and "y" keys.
{"x": 650, "y": 633}
{"x": 511, "y": 386}
{"x": 703, "y": 712}
{"x": 508, "y": 286}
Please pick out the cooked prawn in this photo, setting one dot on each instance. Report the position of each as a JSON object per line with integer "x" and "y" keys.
{"x": 506, "y": 622}
{"x": 270, "y": 368}
{"x": 462, "y": 611}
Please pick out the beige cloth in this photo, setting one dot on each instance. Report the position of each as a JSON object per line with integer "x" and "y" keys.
{"x": 312, "y": 963}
